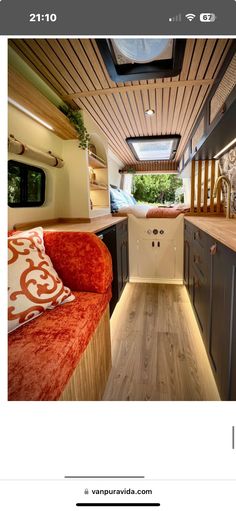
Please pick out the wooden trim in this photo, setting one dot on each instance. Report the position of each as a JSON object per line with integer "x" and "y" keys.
{"x": 26, "y": 95}
{"x": 212, "y": 206}
{"x": 30, "y": 225}
{"x": 152, "y": 167}
{"x": 138, "y": 87}
{"x": 192, "y": 186}
{"x": 74, "y": 220}
{"x": 218, "y": 195}
{"x": 205, "y": 201}
{"x": 52, "y": 221}
{"x": 199, "y": 186}
{"x": 89, "y": 379}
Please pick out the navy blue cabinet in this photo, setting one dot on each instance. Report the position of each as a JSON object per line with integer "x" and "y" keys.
{"x": 209, "y": 275}
{"x": 116, "y": 240}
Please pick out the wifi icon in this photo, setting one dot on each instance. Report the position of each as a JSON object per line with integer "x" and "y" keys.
{"x": 190, "y": 17}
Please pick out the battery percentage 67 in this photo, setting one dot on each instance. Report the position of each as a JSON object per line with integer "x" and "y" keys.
{"x": 206, "y": 17}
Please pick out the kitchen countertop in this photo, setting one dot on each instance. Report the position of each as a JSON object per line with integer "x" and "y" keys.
{"x": 96, "y": 225}
{"x": 221, "y": 229}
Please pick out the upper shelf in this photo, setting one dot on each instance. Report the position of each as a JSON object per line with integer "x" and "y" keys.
{"x": 96, "y": 162}
{"x": 24, "y": 93}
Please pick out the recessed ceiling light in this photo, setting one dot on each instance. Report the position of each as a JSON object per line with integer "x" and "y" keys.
{"x": 149, "y": 112}
{"x": 30, "y": 114}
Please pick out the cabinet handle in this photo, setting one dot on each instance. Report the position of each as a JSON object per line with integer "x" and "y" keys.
{"x": 196, "y": 235}
{"x": 196, "y": 259}
{"x": 100, "y": 236}
{"x": 213, "y": 249}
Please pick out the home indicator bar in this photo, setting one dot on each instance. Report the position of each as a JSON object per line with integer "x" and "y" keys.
{"x": 115, "y": 504}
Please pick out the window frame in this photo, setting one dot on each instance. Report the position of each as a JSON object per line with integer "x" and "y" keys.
{"x": 24, "y": 169}
{"x": 176, "y": 139}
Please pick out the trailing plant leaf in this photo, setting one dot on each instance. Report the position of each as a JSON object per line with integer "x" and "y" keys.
{"x": 76, "y": 119}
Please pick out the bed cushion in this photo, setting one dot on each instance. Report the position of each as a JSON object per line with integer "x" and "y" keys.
{"x": 33, "y": 283}
{"x": 117, "y": 199}
{"x": 120, "y": 199}
{"x": 44, "y": 353}
{"x": 130, "y": 199}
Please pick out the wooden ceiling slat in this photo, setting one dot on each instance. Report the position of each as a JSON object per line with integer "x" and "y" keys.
{"x": 173, "y": 94}
{"x": 75, "y": 70}
{"x": 146, "y": 106}
{"x": 112, "y": 140}
{"x": 96, "y": 113}
{"x": 183, "y": 76}
{"x": 133, "y": 103}
{"x": 137, "y": 86}
{"x": 101, "y": 63}
{"x": 107, "y": 104}
{"x": 130, "y": 114}
{"x": 73, "y": 63}
{"x": 44, "y": 60}
{"x": 92, "y": 56}
{"x": 152, "y": 104}
{"x": 139, "y": 103}
{"x": 165, "y": 112}
{"x": 198, "y": 51}
{"x": 159, "y": 106}
{"x": 57, "y": 61}
{"x": 118, "y": 104}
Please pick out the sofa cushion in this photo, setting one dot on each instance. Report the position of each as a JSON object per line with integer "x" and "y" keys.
{"x": 44, "y": 353}
{"x": 33, "y": 283}
{"x": 82, "y": 260}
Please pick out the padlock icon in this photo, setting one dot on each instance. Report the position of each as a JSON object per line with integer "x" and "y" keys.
{"x": 86, "y": 492}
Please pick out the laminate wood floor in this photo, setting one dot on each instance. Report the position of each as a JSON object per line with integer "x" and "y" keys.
{"x": 157, "y": 350}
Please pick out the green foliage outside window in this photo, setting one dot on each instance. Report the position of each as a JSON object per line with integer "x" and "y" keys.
{"x": 157, "y": 189}
{"x": 26, "y": 185}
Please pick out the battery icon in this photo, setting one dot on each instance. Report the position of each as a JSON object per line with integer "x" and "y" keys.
{"x": 207, "y": 17}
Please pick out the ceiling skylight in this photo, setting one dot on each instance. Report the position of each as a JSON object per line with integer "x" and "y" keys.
{"x": 153, "y": 148}
{"x": 141, "y": 51}
{"x": 141, "y": 59}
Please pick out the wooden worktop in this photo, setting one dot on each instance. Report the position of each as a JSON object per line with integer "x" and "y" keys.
{"x": 221, "y": 229}
{"x": 96, "y": 225}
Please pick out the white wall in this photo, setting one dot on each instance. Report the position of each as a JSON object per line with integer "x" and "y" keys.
{"x": 67, "y": 189}
{"x": 32, "y": 133}
{"x": 74, "y": 198}
{"x": 114, "y": 164}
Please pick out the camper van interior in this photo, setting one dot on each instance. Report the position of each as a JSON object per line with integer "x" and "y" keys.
{"x": 122, "y": 219}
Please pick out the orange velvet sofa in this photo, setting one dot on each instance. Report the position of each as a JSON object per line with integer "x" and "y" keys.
{"x": 65, "y": 354}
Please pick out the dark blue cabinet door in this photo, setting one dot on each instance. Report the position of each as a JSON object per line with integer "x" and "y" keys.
{"x": 222, "y": 314}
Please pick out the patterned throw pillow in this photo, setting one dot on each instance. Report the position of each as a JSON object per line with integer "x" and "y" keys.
{"x": 33, "y": 284}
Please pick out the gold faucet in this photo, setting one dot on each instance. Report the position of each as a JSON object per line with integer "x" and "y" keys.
{"x": 226, "y": 179}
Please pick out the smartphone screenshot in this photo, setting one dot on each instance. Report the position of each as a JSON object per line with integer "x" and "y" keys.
{"x": 118, "y": 302}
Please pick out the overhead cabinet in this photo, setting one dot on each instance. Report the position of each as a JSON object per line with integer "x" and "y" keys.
{"x": 209, "y": 275}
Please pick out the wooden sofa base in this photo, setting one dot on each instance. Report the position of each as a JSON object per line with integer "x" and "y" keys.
{"x": 89, "y": 378}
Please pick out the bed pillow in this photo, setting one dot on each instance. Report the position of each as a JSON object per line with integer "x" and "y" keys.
{"x": 120, "y": 199}
{"x": 130, "y": 199}
{"x": 33, "y": 284}
{"x": 117, "y": 199}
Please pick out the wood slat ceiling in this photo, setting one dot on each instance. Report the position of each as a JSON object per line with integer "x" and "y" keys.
{"x": 74, "y": 69}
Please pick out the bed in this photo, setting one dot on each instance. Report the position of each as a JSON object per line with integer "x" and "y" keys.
{"x": 124, "y": 204}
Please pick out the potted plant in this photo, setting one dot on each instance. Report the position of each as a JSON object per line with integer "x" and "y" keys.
{"x": 76, "y": 119}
